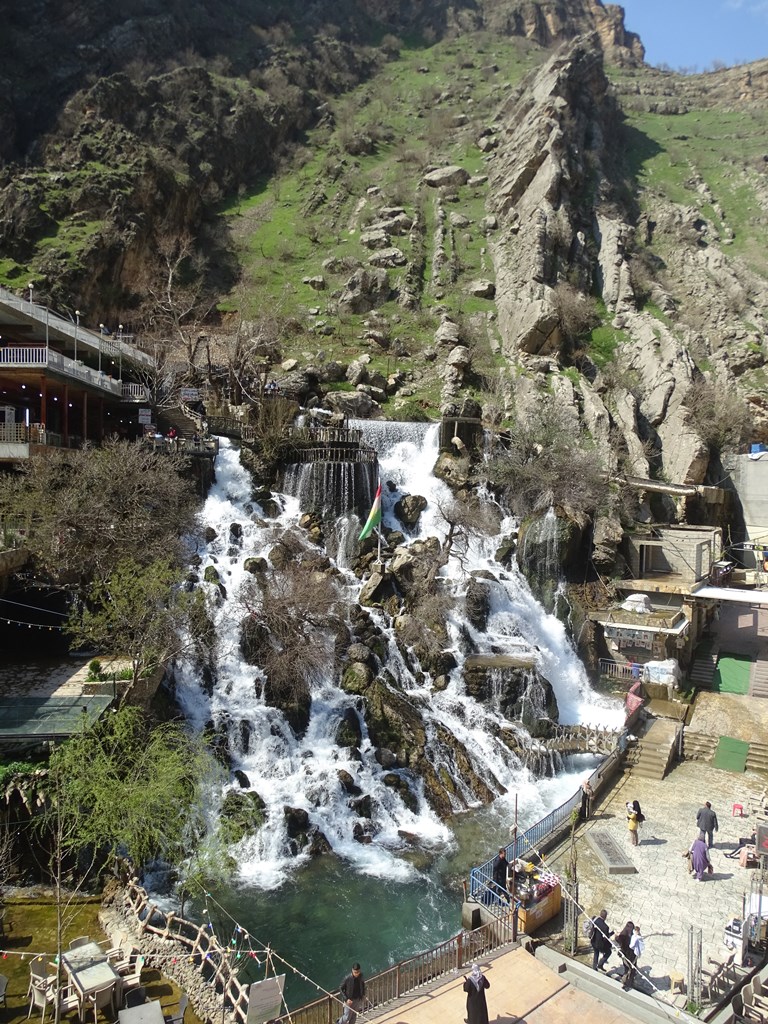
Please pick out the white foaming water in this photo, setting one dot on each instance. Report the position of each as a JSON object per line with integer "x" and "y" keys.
{"x": 303, "y": 772}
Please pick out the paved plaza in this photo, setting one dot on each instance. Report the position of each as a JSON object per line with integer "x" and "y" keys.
{"x": 662, "y": 897}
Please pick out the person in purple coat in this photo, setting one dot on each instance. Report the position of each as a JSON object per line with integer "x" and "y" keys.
{"x": 700, "y": 862}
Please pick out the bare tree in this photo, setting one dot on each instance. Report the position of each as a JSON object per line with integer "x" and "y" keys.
{"x": 548, "y": 459}
{"x": 84, "y": 511}
{"x": 285, "y": 631}
{"x": 719, "y": 414}
{"x": 181, "y": 298}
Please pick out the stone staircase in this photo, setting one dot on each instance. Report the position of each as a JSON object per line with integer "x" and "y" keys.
{"x": 656, "y": 750}
{"x": 185, "y": 425}
{"x": 758, "y": 681}
{"x": 698, "y": 746}
{"x": 757, "y": 758}
{"x": 702, "y": 670}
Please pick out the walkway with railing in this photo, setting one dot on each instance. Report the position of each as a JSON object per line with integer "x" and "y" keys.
{"x": 548, "y": 829}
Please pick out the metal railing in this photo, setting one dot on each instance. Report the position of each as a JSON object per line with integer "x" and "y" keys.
{"x": 547, "y": 829}
{"x": 36, "y": 356}
{"x": 135, "y": 393}
{"x": 82, "y": 335}
{"x": 617, "y": 669}
{"x": 409, "y": 975}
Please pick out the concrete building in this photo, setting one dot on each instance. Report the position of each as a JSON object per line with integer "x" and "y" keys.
{"x": 62, "y": 383}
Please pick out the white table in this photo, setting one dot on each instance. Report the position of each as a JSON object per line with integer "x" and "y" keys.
{"x": 83, "y": 956}
{"x": 145, "y": 1013}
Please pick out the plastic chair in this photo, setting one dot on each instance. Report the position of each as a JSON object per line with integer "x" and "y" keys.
{"x": 101, "y": 999}
{"x": 83, "y": 940}
{"x": 41, "y": 997}
{"x": 38, "y": 973}
{"x": 136, "y": 997}
{"x": 3, "y": 987}
{"x": 739, "y": 808}
{"x": 179, "y": 1017}
{"x": 132, "y": 979}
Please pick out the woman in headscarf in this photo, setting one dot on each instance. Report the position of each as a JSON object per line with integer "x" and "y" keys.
{"x": 475, "y": 985}
{"x": 700, "y": 862}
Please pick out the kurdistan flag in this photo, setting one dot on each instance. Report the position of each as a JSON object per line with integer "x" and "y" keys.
{"x": 375, "y": 517}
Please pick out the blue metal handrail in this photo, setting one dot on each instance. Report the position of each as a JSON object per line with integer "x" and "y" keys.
{"x": 529, "y": 841}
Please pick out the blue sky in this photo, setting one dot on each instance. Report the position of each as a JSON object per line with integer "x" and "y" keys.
{"x": 688, "y": 33}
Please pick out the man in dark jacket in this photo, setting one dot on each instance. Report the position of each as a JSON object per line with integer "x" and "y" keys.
{"x": 706, "y": 819}
{"x": 601, "y": 940}
{"x": 500, "y": 867}
{"x": 353, "y": 993}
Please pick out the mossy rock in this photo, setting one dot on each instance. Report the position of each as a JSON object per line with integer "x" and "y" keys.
{"x": 242, "y": 814}
{"x": 357, "y": 678}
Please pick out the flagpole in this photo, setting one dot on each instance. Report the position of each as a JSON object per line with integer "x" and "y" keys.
{"x": 378, "y": 555}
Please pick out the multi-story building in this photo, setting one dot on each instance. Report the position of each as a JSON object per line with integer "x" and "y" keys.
{"x": 62, "y": 383}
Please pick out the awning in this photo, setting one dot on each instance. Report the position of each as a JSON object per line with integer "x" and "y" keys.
{"x": 753, "y": 597}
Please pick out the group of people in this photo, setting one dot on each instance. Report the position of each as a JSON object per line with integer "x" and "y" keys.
{"x": 629, "y": 943}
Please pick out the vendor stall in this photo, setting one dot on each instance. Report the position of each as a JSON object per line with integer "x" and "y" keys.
{"x": 537, "y": 896}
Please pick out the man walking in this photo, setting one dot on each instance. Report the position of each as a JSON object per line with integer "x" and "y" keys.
{"x": 601, "y": 940}
{"x": 706, "y": 819}
{"x": 353, "y": 993}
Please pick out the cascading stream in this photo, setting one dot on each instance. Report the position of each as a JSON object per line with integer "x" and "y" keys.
{"x": 304, "y": 772}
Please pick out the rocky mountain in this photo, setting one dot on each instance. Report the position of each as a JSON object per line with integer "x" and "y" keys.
{"x": 492, "y": 188}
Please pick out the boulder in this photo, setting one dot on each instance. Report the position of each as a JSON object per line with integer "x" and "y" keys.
{"x": 255, "y": 565}
{"x": 482, "y": 289}
{"x": 357, "y": 372}
{"x": 447, "y": 333}
{"x": 351, "y": 403}
{"x": 446, "y": 177}
{"x": 376, "y": 238}
{"x": 317, "y": 283}
{"x": 458, "y": 220}
{"x": 365, "y": 290}
{"x": 391, "y": 257}
{"x": 409, "y": 508}
{"x": 459, "y": 356}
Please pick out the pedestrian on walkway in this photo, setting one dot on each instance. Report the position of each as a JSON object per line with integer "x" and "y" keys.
{"x": 475, "y": 985}
{"x": 353, "y": 993}
{"x": 700, "y": 861}
{"x": 637, "y": 945}
{"x": 500, "y": 867}
{"x": 601, "y": 940}
{"x": 635, "y": 818}
{"x": 623, "y": 942}
{"x": 586, "y": 799}
{"x": 706, "y": 819}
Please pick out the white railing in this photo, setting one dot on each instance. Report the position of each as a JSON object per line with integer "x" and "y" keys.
{"x": 24, "y": 355}
{"x": 13, "y": 433}
{"x": 135, "y": 393}
{"x": 619, "y": 669}
{"x": 80, "y": 334}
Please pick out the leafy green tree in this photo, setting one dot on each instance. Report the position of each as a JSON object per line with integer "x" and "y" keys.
{"x": 120, "y": 788}
{"x": 137, "y": 612}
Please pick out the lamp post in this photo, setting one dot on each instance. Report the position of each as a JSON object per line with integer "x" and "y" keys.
{"x": 77, "y": 325}
{"x": 120, "y": 350}
{"x": 102, "y": 329}
{"x": 31, "y": 286}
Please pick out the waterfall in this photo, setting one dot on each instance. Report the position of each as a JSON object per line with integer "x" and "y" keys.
{"x": 308, "y": 770}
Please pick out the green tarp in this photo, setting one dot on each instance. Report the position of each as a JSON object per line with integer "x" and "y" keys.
{"x": 731, "y": 754}
{"x": 732, "y": 674}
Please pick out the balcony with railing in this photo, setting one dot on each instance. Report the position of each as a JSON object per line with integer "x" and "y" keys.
{"x": 39, "y": 357}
